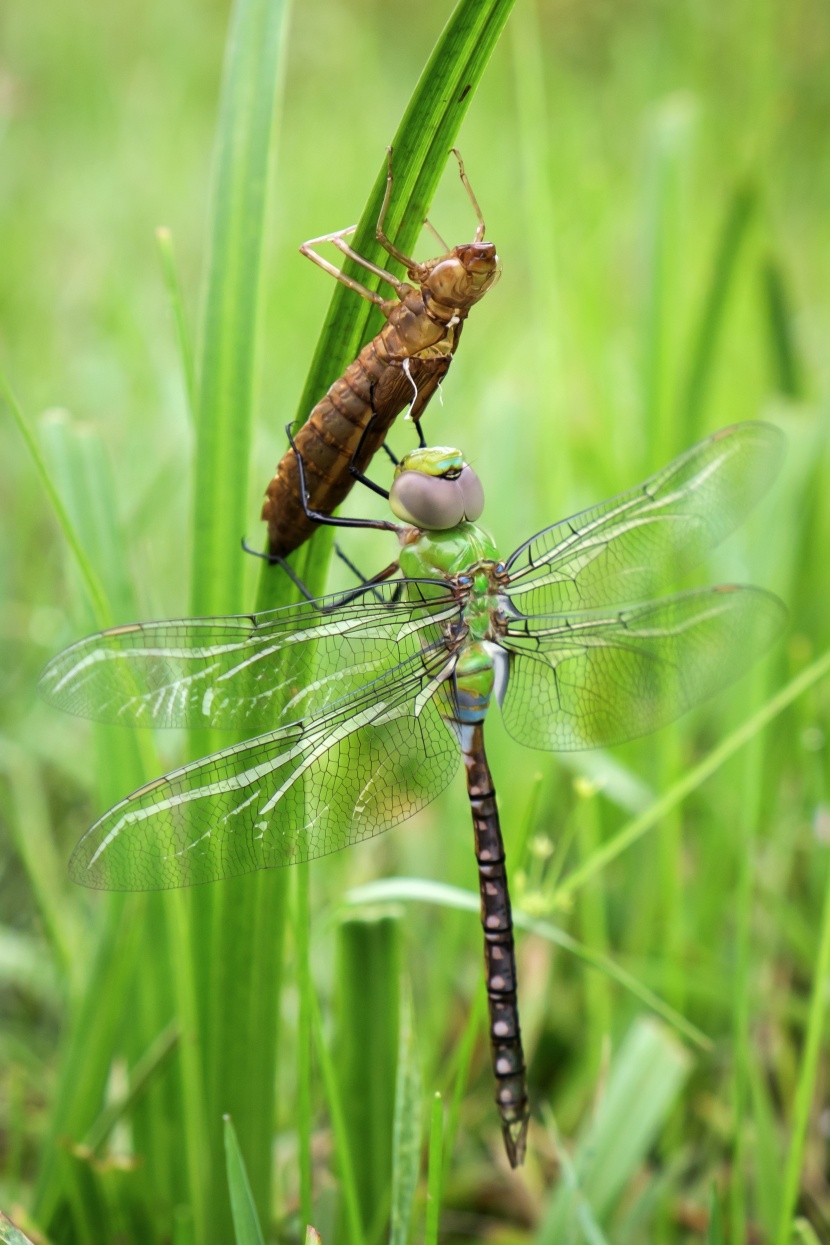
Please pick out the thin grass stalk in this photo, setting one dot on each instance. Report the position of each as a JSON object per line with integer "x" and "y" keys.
{"x": 164, "y": 239}
{"x": 416, "y": 889}
{"x": 473, "y": 1029}
{"x": 435, "y": 1171}
{"x": 302, "y": 878}
{"x": 750, "y": 804}
{"x": 740, "y": 214}
{"x": 95, "y": 592}
{"x": 787, "y": 371}
{"x": 236, "y": 930}
{"x": 807, "y": 1078}
{"x": 693, "y": 778}
{"x": 246, "y": 1224}
{"x": 338, "y": 1124}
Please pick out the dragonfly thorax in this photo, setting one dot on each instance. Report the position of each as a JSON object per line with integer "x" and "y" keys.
{"x": 458, "y": 280}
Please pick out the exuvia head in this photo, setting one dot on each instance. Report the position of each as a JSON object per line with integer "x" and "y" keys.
{"x": 459, "y": 279}
{"x": 434, "y": 489}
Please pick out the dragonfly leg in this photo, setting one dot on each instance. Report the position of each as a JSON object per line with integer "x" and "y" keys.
{"x": 274, "y": 559}
{"x": 466, "y": 183}
{"x": 338, "y": 239}
{"x": 435, "y": 234}
{"x": 355, "y": 471}
{"x": 413, "y": 268}
{"x": 386, "y": 573}
{"x": 330, "y": 520}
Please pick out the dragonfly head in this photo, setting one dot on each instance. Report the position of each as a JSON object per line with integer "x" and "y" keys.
{"x": 434, "y": 489}
{"x": 461, "y": 278}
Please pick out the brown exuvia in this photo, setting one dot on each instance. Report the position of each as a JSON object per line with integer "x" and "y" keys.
{"x": 402, "y": 366}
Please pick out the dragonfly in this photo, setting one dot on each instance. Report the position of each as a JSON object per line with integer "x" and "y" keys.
{"x": 402, "y": 366}
{"x": 360, "y": 704}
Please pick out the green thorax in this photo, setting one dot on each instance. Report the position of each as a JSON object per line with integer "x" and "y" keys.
{"x": 447, "y": 553}
{"x": 465, "y": 549}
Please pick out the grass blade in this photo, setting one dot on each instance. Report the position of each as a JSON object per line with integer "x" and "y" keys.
{"x": 235, "y": 933}
{"x": 174, "y": 294}
{"x": 245, "y": 1220}
{"x": 693, "y": 778}
{"x": 356, "y": 1235}
{"x": 406, "y": 1133}
{"x": 645, "y": 1080}
{"x": 807, "y": 1079}
{"x": 95, "y": 593}
{"x": 366, "y": 1047}
{"x": 421, "y": 145}
{"x": 787, "y": 371}
{"x": 423, "y": 891}
{"x": 435, "y": 1171}
{"x": 740, "y": 214}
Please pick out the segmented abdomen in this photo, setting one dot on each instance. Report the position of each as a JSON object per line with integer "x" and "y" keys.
{"x": 374, "y": 389}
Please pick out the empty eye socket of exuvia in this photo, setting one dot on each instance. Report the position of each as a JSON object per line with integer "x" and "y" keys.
{"x": 436, "y": 503}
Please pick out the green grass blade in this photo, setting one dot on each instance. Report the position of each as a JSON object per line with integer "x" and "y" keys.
{"x": 406, "y": 1132}
{"x": 305, "y": 989}
{"x": 808, "y": 1073}
{"x": 236, "y": 933}
{"x": 245, "y": 1221}
{"x": 366, "y": 1048}
{"x": 669, "y": 145}
{"x": 421, "y": 147}
{"x": 28, "y": 819}
{"x": 356, "y": 1235}
{"x": 645, "y": 1079}
{"x": 142, "y": 1074}
{"x": 715, "y": 1234}
{"x": 571, "y": 1194}
{"x": 164, "y": 238}
{"x": 230, "y": 322}
{"x": 434, "y": 1171}
{"x": 95, "y": 593}
{"x": 422, "y": 891}
{"x": 740, "y": 214}
{"x": 803, "y": 1233}
{"x": 787, "y": 371}
{"x": 693, "y": 778}
{"x": 10, "y": 1235}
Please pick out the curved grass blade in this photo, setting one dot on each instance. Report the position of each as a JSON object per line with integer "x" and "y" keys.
{"x": 245, "y": 1220}
{"x": 692, "y": 779}
{"x": 423, "y": 891}
{"x": 406, "y": 1132}
{"x": 421, "y": 145}
{"x": 95, "y": 592}
{"x": 234, "y": 938}
{"x": 434, "y": 1172}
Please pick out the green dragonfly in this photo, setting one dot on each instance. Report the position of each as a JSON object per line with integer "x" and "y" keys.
{"x": 360, "y": 704}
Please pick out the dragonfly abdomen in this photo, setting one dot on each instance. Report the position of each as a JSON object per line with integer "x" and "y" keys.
{"x": 499, "y": 956}
{"x": 474, "y": 679}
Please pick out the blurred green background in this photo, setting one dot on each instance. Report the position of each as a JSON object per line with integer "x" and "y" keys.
{"x": 656, "y": 179}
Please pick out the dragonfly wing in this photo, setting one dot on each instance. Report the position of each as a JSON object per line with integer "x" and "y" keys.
{"x": 249, "y": 672}
{"x": 635, "y": 545}
{"x": 299, "y": 792}
{"x": 596, "y": 678}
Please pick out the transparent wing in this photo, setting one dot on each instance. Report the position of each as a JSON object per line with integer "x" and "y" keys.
{"x": 597, "y": 678}
{"x": 249, "y": 672}
{"x": 299, "y": 792}
{"x": 635, "y": 545}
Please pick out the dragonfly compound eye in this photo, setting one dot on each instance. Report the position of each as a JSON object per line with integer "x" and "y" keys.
{"x": 436, "y": 503}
